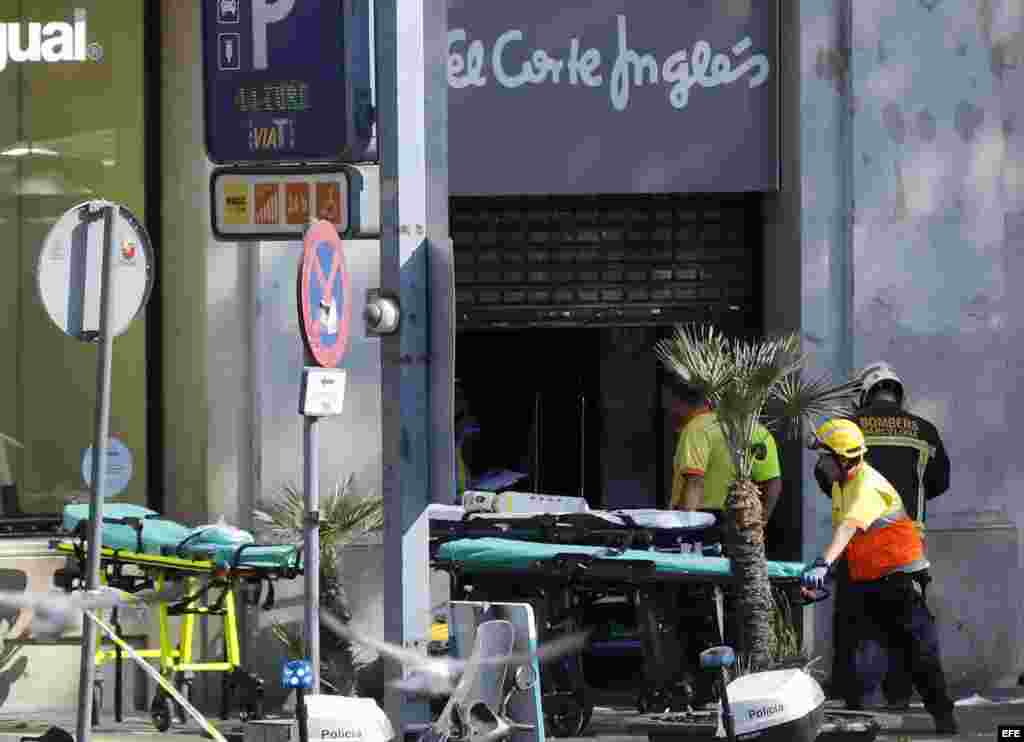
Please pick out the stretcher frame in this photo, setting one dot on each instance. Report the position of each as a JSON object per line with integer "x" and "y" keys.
{"x": 177, "y": 661}
{"x": 562, "y": 587}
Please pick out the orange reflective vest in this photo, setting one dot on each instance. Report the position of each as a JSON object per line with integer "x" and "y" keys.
{"x": 886, "y": 540}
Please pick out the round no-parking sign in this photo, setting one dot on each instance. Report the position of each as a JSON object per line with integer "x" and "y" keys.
{"x": 69, "y": 269}
{"x": 325, "y": 296}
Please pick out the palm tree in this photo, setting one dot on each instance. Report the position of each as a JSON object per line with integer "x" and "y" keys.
{"x": 344, "y": 517}
{"x": 740, "y": 378}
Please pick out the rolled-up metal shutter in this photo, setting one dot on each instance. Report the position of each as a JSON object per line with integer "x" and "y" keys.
{"x": 605, "y": 260}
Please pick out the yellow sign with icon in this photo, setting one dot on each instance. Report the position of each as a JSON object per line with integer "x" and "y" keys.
{"x": 236, "y": 203}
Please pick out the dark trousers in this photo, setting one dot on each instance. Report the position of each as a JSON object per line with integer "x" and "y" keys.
{"x": 844, "y": 641}
{"x": 890, "y": 615}
{"x": 898, "y": 685}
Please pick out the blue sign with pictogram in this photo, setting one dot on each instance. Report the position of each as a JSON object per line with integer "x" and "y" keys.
{"x": 286, "y": 81}
{"x": 325, "y": 296}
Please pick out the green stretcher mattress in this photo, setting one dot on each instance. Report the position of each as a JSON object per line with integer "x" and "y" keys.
{"x": 218, "y": 543}
{"x": 498, "y": 554}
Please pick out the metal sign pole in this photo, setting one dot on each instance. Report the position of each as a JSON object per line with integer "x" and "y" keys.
{"x": 99, "y": 469}
{"x": 311, "y": 544}
{"x": 325, "y": 308}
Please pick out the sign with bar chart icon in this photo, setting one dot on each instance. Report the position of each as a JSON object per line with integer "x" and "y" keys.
{"x": 267, "y": 203}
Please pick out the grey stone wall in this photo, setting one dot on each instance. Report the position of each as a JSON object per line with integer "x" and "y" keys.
{"x": 911, "y": 118}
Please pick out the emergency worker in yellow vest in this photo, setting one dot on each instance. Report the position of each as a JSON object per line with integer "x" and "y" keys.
{"x": 885, "y": 558}
{"x": 703, "y": 470}
{"x": 907, "y": 450}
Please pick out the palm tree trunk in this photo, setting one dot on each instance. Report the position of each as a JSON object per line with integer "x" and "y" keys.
{"x": 744, "y": 544}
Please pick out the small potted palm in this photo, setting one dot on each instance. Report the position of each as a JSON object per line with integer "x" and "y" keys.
{"x": 345, "y": 516}
{"x": 741, "y": 378}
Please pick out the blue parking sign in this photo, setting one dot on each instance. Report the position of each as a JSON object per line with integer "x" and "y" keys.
{"x": 286, "y": 80}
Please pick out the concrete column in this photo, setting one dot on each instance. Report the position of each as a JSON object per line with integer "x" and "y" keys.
{"x": 826, "y": 264}
{"x": 183, "y": 267}
{"x": 209, "y": 316}
{"x": 782, "y": 279}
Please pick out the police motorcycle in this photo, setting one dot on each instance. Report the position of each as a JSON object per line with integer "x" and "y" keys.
{"x": 779, "y": 705}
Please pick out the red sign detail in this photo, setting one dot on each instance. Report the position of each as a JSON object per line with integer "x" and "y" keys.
{"x": 325, "y": 298}
{"x": 268, "y": 204}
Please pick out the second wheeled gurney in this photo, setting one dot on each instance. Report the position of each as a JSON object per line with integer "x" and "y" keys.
{"x": 201, "y": 568}
{"x": 650, "y": 611}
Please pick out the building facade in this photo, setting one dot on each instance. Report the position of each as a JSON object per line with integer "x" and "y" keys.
{"x": 854, "y": 173}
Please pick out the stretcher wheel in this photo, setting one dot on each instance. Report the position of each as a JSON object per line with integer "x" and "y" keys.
{"x": 654, "y": 702}
{"x": 160, "y": 712}
{"x": 569, "y": 719}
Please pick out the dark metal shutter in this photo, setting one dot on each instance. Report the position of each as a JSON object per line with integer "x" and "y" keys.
{"x": 604, "y": 260}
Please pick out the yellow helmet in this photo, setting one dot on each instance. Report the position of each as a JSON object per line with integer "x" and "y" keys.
{"x": 841, "y": 437}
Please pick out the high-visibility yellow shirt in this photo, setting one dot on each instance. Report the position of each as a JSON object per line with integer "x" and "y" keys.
{"x": 702, "y": 451}
{"x": 886, "y": 540}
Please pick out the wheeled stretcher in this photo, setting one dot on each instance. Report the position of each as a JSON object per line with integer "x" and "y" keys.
{"x": 650, "y": 613}
{"x": 200, "y": 569}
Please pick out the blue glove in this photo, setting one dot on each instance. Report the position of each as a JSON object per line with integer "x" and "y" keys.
{"x": 814, "y": 577}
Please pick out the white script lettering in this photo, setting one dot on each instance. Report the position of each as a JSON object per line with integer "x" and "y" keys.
{"x": 514, "y": 64}
{"x": 581, "y": 68}
{"x": 535, "y": 70}
{"x": 472, "y": 63}
{"x": 620, "y": 73}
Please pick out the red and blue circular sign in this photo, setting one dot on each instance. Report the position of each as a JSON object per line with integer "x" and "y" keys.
{"x": 325, "y": 295}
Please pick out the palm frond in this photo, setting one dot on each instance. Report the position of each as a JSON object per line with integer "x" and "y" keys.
{"x": 738, "y": 412}
{"x": 775, "y": 360}
{"x": 344, "y": 516}
{"x": 803, "y": 400}
{"x": 786, "y": 641}
{"x": 291, "y": 637}
{"x": 701, "y": 356}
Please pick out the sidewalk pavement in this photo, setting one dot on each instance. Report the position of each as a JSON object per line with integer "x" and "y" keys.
{"x": 137, "y": 727}
{"x": 979, "y": 717}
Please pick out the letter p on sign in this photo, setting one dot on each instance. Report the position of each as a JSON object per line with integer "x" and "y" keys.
{"x": 263, "y": 14}
{"x": 1011, "y": 731}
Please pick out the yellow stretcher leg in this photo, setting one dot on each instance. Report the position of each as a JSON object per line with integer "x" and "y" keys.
{"x": 175, "y": 657}
{"x": 161, "y": 681}
{"x": 231, "y": 643}
{"x": 188, "y": 626}
{"x": 166, "y": 648}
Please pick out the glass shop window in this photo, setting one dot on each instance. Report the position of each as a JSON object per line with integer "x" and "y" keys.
{"x": 71, "y": 130}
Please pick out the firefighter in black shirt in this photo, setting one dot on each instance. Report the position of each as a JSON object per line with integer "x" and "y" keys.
{"x": 907, "y": 450}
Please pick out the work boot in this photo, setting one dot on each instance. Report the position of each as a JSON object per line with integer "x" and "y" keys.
{"x": 946, "y": 723}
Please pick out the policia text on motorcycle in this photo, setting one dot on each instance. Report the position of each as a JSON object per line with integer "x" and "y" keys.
{"x": 907, "y": 450}
{"x": 885, "y": 557}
